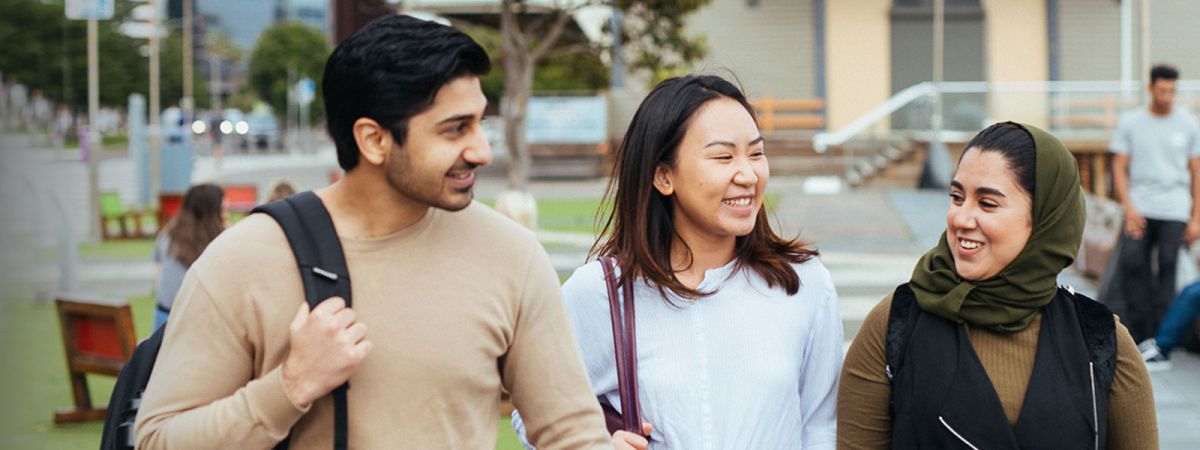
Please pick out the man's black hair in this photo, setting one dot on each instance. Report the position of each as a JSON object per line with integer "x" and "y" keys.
{"x": 389, "y": 71}
{"x": 1163, "y": 72}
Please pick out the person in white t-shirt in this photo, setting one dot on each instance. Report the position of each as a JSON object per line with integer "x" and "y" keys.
{"x": 1156, "y": 176}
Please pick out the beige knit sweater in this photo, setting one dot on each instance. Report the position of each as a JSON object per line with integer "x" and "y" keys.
{"x": 457, "y": 306}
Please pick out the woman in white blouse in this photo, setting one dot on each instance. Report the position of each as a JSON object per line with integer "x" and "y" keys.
{"x": 739, "y": 341}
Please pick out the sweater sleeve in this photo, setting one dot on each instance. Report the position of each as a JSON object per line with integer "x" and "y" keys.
{"x": 864, "y": 421}
{"x": 544, "y": 371}
{"x": 202, "y": 393}
{"x": 1132, "y": 421}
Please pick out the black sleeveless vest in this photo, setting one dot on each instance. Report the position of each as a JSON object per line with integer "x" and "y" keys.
{"x": 942, "y": 397}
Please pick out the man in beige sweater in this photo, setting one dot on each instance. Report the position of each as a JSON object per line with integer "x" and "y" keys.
{"x": 451, "y": 300}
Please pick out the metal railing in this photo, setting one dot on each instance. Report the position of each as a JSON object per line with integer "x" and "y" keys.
{"x": 1080, "y": 110}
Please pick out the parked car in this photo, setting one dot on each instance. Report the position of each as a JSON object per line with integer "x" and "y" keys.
{"x": 263, "y": 131}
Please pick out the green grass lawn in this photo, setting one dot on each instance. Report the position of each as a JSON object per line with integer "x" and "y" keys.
{"x": 118, "y": 249}
{"x": 36, "y": 380}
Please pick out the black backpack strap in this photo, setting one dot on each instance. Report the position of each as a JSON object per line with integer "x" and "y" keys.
{"x": 322, "y": 264}
{"x": 902, "y": 317}
{"x": 126, "y": 396}
{"x": 1099, "y": 333}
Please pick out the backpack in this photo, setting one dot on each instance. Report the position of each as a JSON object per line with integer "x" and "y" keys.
{"x": 322, "y": 264}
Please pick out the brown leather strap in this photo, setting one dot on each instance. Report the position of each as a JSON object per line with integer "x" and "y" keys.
{"x": 624, "y": 344}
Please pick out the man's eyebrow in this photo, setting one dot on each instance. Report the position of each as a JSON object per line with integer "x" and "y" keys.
{"x": 457, "y": 118}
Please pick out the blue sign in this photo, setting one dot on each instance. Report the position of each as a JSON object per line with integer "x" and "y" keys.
{"x": 566, "y": 120}
{"x": 89, "y": 9}
{"x": 306, "y": 90}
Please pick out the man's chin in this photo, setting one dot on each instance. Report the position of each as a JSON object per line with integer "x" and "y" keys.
{"x": 457, "y": 202}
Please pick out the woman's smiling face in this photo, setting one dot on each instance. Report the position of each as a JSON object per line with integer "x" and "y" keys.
{"x": 990, "y": 217}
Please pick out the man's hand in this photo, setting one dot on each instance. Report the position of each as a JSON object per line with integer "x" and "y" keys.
{"x": 624, "y": 440}
{"x": 1135, "y": 224}
{"x": 327, "y": 345}
{"x": 1192, "y": 232}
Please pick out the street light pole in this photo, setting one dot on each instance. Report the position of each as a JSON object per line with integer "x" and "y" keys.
{"x": 155, "y": 132}
{"x": 93, "y": 134}
{"x": 939, "y": 26}
{"x": 186, "y": 102}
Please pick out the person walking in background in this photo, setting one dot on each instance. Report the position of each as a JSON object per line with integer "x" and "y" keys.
{"x": 61, "y": 126}
{"x": 738, "y": 335}
{"x": 1184, "y": 310}
{"x": 981, "y": 347}
{"x": 18, "y": 107}
{"x": 280, "y": 189}
{"x": 201, "y": 218}
{"x": 1156, "y": 177}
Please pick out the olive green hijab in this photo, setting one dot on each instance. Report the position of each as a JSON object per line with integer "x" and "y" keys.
{"x": 1010, "y": 301}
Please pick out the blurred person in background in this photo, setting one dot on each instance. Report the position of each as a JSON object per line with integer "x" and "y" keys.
{"x": 1156, "y": 177}
{"x": 202, "y": 217}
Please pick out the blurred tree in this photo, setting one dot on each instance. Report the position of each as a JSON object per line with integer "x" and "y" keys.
{"x": 653, "y": 30}
{"x": 44, "y": 50}
{"x": 571, "y": 71}
{"x": 171, "y": 71}
{"x": 282, "y": 45}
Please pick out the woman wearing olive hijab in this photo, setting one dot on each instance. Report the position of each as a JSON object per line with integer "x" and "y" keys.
{"x": 981, "y": 348}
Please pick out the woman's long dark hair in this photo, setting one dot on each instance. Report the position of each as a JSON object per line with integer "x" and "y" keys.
{"x": 640, "y": 228}
{"x": 198, "y": 222}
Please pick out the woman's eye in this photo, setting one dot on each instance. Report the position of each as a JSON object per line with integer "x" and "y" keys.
{"x": 758, "y": 154}
{"x": 956, "y": 197}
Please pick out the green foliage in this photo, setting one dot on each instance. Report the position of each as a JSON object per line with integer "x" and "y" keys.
{"x": 288, "y": 44}
{"x": 171, "y": 73}
{"x": 654, "y": 35}
{"x": 579, "y": 71}
{"x": 45, "y": 51}
{"x": 571, "y": 72}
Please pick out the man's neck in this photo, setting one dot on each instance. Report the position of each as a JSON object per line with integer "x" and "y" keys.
{"x": 1160, "y": 110}
{"x": 365, "y": 205}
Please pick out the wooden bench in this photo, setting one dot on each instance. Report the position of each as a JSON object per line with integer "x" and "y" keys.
{"x": 241, "y": 198}
{"x": 802, "y": 114}
{"x": 98, "y": 338}
{"x": 127, "y": 221}
{"x": 169, "y": 204}
{"x": 567, "y": 160}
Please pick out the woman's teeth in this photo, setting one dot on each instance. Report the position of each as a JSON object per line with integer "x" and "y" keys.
{"x": 737, "y": 202}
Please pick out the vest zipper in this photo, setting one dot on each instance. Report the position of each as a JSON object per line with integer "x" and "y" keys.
{"x": 959, "y": 436}
{"x": 1095, "y": 415}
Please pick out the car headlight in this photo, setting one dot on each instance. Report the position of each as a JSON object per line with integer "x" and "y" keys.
{"x": 226, "y": 127}
{"x": 242, "y": 127}
{"x": 199, "y": 127}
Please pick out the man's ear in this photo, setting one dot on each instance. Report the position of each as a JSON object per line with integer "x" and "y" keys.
{"x": 662, "y": 181}
{"x": 374, "y": 141}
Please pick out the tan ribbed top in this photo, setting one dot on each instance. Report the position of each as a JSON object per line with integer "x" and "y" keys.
{"x": 864, "y": 394}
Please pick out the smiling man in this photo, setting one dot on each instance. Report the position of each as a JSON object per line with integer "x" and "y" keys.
{"x": 452, "y": 301}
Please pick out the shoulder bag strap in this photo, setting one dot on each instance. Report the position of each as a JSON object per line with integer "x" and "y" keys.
{"x": 624, "y": 345}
